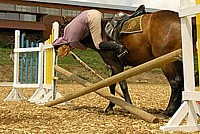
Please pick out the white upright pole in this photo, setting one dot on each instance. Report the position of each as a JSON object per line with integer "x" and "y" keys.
{"x": 187, "y": 48}
{"x": 54, "y": 58}
{"x": 40, "y": 66}
{"x": 16, "y": 94}
{"x": 16, "y": 57}
{"x": 56, "y": 30}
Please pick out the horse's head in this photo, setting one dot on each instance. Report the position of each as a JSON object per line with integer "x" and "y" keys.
{"x": 62, "y": 23}
{"x": 113, "y": 27}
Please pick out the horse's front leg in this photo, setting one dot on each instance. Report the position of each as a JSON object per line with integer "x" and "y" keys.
{"x": 111, "y": 105}
{"x": 115, "y": 70}
{"x": 124, "y": 88}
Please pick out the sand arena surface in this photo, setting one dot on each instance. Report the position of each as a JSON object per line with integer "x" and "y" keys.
{"x": 85, "y": 115}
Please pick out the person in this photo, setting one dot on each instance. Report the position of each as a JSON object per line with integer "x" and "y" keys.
{"x": 88, "y": 22}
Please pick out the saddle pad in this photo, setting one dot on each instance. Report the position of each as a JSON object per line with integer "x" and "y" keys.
{"x": 132, "y": 25}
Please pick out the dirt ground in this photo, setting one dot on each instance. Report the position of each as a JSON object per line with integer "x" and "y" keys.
{"x": 85, "y": 115}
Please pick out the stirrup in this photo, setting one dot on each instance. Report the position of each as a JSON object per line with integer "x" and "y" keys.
{"x": 122, "y": 54}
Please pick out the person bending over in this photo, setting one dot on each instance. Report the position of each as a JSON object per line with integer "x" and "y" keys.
{"x": 88, "y": 22}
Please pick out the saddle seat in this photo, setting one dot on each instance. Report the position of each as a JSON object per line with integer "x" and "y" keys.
{"x": 114, "y": 27}
{"x": 124, "y": 16}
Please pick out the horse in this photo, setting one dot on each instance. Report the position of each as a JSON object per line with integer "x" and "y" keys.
{"x": 161, "y": 34}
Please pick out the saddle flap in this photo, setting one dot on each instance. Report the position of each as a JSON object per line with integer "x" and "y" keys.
{"x": 132, "y": 25}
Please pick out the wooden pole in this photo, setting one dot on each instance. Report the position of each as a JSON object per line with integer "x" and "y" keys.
{"x": 104, "y": 93}
{"x": 160, "y": 61}
{"x": 85, "y": 65}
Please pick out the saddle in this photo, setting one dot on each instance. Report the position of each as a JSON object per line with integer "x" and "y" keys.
{"x": 113, "y": 28}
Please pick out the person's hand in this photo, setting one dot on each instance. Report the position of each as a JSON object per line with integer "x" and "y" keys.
{"x": 63, "y": 50}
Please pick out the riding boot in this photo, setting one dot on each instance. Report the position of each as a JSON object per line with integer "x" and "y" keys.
{"x": 113, "y": 46}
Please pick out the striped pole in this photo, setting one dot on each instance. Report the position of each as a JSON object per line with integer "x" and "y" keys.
{"x": 36, "y": 64}
{"x": 22, "y": 59}
{"x": 49, "y": 54}
{"x": 31, "y": 65}
{"x": 27, "y": 65}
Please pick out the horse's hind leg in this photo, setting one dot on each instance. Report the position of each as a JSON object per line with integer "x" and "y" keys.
{"x": 174, "y": 74}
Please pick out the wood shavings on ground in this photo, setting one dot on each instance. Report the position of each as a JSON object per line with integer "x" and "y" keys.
{"x": 85, "y": 115}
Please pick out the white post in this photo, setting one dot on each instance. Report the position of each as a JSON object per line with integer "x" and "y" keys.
{"x": 54, "y": 60}
{"x": 56, "y": 30}
{"x": 187, "y": 48}
{"x": 40, "y": 66}
{"x": 16, "y": 94}
{"x": 16, "y": 57}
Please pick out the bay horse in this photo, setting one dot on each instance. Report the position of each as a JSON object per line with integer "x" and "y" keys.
{"x": 161, "y": 34}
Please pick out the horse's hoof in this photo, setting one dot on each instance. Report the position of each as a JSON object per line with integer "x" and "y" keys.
{"x": 109, "y": 110}
{"x": 162, "y": 116}
{"x": 169, "y": 113}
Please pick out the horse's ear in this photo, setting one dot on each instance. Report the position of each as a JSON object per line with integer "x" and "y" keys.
{"x": 64, "y": 21}
{"x": 63, "y": 18}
